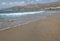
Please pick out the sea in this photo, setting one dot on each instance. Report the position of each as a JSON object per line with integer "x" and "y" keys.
{"x": 15, "y": 15}
{"x": 9, "y": 19}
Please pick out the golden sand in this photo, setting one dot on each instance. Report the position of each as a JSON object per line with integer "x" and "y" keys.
{"x": 42, "y": 30}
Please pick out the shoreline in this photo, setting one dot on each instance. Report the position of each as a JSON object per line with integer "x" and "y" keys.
{"x": 47, "y": 29}
{"x": 23, "y": 22}
{"x": 20, "y": 24}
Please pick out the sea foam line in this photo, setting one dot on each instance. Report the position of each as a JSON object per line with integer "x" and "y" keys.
{"x": 22, "y": 13}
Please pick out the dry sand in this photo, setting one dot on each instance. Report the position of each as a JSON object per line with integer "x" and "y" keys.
{"x": 42, "y": 30}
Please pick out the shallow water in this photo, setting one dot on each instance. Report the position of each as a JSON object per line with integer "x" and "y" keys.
{"x": 9, "y": 20}
{"x": 8, "y": 16}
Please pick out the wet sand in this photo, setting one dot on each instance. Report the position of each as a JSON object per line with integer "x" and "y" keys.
{"x": 42, "y": 30}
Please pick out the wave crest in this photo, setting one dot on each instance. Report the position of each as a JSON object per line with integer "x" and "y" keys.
{"x": 22, "y": 13}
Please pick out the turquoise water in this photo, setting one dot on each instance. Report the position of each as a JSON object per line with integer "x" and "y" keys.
{"x": 6, "y": 15}
{"x": 8, "y": 20}
{"x": 16, "y": 11}
{"x": 12, "y": 15}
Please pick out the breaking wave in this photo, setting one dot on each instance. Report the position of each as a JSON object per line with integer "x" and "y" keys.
{"x": 20, "y": 13}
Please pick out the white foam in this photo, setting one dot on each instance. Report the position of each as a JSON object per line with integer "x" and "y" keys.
{"x": 22, "y": 13}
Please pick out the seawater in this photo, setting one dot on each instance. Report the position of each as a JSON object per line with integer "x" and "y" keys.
{"x": 15, "y": 15}
{"x": 19, "y": 18}
{"x": 12, "y": 15}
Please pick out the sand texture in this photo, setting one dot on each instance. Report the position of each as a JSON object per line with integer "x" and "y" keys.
{"x": 42, "y": 30}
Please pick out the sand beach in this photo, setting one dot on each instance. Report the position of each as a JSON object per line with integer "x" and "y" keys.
{"x": 47, "y": 29}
